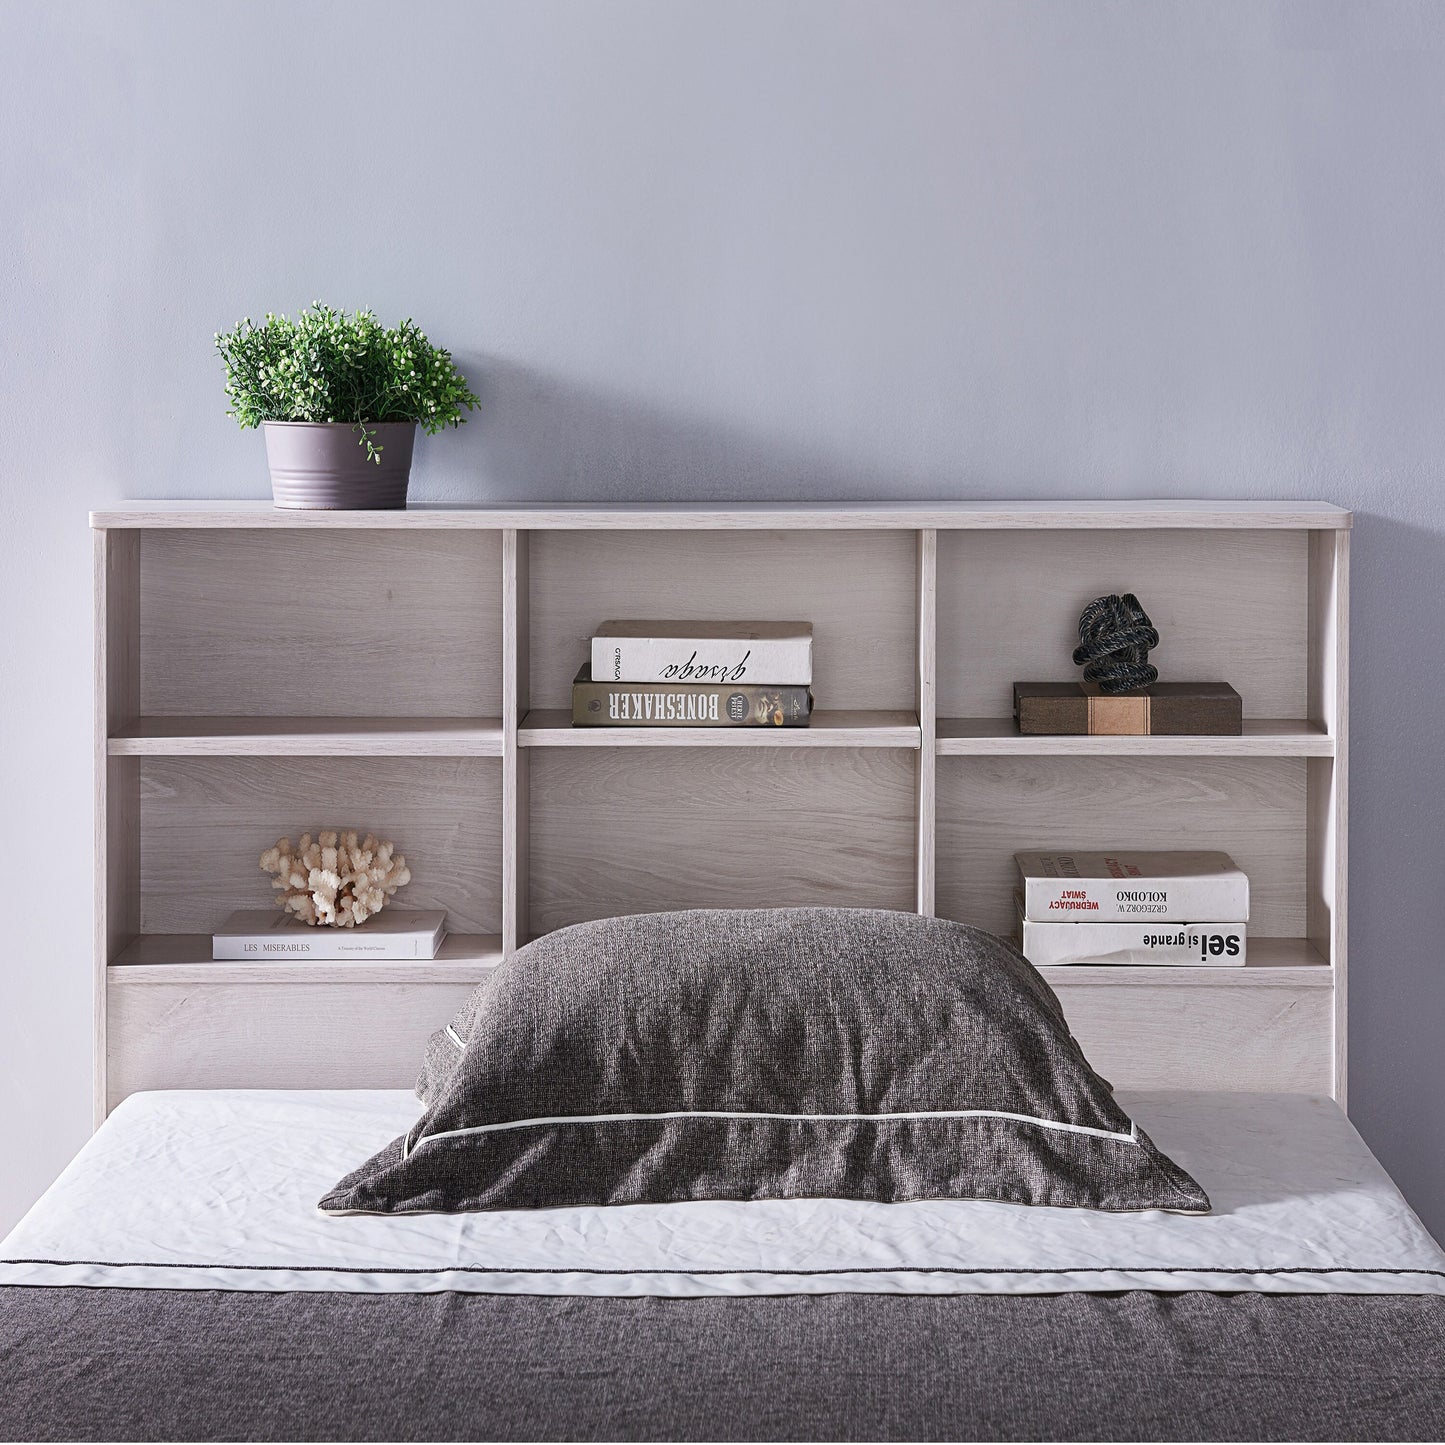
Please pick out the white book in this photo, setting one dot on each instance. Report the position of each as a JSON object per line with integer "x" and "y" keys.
{"x": 395, "y": 933}
{"x": 1182, "y": 945}
{"x": 717, "y": 652}
{"x": 1117, "y": 887}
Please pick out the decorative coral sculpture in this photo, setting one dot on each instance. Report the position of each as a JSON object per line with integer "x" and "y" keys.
{"x": 335, "y": 882}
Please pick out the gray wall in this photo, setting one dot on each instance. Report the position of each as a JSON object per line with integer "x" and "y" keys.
{"x": 735, "y": 250}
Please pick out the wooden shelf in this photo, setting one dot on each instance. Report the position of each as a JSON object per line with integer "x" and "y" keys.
{"x": 552, "y": 728}
{"x": 744, "y": 516}
{"x": 208, "y": 746}
{"x": 1273, "y": 963}
{"x": 186, "y": 958}
{"x": 407, "y": 737}
{"x": 469, "y": 957}
{"x": 1262, "y": 738}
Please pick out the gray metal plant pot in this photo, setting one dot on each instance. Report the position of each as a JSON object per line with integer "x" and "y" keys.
{"x": 323, "y": 465}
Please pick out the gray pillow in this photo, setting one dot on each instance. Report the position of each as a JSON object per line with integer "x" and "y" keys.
{"x": 763, "y": 1054}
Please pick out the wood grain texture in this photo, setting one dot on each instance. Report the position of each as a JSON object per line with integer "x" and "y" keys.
{"x": 641, "y": 830}
{"x": 1340, "y": 822}
{"x": 991, "y": 808}
{"x": 342, "y": 1033}
{"x": 856, "y": 588}
{"x": 1327, "y": 893}
{"x": 273, "y": 1036}
{"x": 1261, "y": 738}
{"x": 321, "y": 737}
{"x": 807, "y": 516}
{"x": 515, "y": 822}
{"x": 206, "y": 821}
{"x": 357, "y": 624}
{"x": 828, "y": 728}
{"x": 1229, "y": 606}
{"x": 1156, "y": 1036}
{"x": 116, "y": 584}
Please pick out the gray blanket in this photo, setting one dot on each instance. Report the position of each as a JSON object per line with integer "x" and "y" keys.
{"x": 164, "y": 1365}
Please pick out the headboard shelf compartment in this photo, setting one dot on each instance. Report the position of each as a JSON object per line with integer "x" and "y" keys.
{"x": 260, "y": 672}
{"x": 1253, "y": 808}
{"x": 279, "y": 625}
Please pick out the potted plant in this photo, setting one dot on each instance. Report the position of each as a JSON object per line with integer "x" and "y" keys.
{"x": 340, "y": 398}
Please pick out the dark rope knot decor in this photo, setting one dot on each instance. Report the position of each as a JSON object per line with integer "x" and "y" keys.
{"x": 1115, "y": 636}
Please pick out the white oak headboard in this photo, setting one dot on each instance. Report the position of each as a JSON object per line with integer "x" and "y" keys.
{"x": 262, "y": 673}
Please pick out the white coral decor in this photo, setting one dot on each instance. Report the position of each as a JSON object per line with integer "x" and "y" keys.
{"x": 335, "y": 882}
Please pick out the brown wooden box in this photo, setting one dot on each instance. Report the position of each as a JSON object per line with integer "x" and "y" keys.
{"x": 1166, "y": 709}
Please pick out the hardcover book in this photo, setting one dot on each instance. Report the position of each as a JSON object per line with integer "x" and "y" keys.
{"x": 688, "y": 705}
{"x": 1191, "y": 945}
{"x": 395, "y": 933}
{"x": 771, "y": 653}
{"x": 1174, "y": 887}
{"x": 1166, "y": 709}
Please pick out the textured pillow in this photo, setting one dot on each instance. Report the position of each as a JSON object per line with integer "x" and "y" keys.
{"x": 763, "y": 1054}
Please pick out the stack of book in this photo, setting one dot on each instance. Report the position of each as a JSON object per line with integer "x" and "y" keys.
{"x": 1131, "y": 908}
{"x": 697, "y": 675}
{"x": 266, "y": 933}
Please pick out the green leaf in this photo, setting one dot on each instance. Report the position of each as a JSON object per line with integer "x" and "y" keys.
{"x": 328, "y": 366}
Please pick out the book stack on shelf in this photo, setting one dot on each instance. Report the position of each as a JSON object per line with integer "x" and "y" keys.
{"x": 263, "y": 933}
{"x": 1132, "y": 908}
{"x": 696, "y": 675}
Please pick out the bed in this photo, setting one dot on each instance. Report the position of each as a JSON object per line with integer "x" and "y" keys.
{"x": 177, "y": 1282}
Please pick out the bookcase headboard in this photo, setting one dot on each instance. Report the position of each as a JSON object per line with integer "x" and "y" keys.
{"x": 262, "y": 673}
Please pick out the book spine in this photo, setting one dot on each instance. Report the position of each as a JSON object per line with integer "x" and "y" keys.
{"x": 774, "y": 661}
{"x": 1115, "y": 900}
{"x": 599, "y": 704}
{"x": 331, "y": 946}
{"x": 1180, "y": 945}
{"x": 1185, "y": 716}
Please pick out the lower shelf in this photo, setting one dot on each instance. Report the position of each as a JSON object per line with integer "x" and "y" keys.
{"x": 161, "y": 958}
{"x": 158, "y": 958}
{"x": 177, "y": 1020}
{"x": 1273, "y": 963}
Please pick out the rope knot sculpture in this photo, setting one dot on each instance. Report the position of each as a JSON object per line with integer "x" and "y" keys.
{"x": 1115, "y": 635}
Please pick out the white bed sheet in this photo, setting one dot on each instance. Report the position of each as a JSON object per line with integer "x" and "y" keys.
{"x": 218, "y": 1190}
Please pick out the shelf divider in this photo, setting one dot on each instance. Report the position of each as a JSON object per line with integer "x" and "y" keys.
{"x": 926, "y": 850}
{"x": 516, "y": 766}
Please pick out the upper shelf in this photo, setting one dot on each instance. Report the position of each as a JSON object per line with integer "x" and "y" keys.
{"x": 445, "y": 737}
{"x": 1262, "y": 738}
{"x": 805, "y": 516}
{"x": 239, "y": 737}
{"x": 828, "y": 728}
